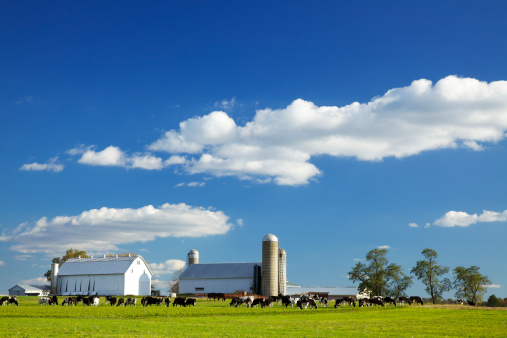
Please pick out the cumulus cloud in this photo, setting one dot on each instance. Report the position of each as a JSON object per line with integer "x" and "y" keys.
{"x": 413, "y": 225}
{"x": 22, "y": 257}
{"x": 2, "y": 263}
{"x": 494, "y": 286}
{"x": 462, "y": 219}
{"x": 384, "y": 247}
{"x": 35, "y": 281}
{"x": 103, "y": 229}
{"x": 280, "y": 143}
{"x": 191, "y": 184}
{"x": 50, "y": 166}
{"x": 226, "y": 104}
{"x": 167, "y": 267}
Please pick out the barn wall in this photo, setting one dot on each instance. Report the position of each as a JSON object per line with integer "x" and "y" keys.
{"x": 17, "y": 291}
{"x": 223, "y": 285}
{"x": 102, "y": 285}
{"x": 136, "y": 277}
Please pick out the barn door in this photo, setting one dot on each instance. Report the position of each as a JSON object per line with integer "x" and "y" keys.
{"x": 144, "y": 285}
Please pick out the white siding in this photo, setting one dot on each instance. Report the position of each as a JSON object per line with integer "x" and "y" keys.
{"x": 223, "y": 285}
{"x": 138, "y": 272}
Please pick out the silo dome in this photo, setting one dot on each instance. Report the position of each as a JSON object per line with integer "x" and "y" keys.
{"x": 270, "y": 238}
{"x": 193, "y": 257}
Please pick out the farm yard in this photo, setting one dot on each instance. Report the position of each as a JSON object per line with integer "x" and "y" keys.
{"x": 218, "y": 318}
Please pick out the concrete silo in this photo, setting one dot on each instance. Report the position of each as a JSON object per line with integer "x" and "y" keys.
{"x": 270, "y": 265}
{"x": 54, "y": 278}
{"x": 282, "y": 271}
{"x": 193, "y": 257}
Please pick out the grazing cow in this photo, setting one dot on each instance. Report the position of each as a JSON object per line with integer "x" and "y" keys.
{"x": 364, "y": 302}
{"x": 112, "y": 301}
{"x": 45, "y": 301}
{"x": 403, "y": 300}
{"x": 151, "y": 301}
{"x": 4, "y": 300}
{"x": 349, "y": 300}
{"x": 94, "y": 300}
{"x": 323, "y": 302}
{"x": 276, "y": 299}
{"x": 416, "y": 299}
{"x": 460, "y": 301}
{"x": 121, "y": 302}
{"x": 306, "y": 301}
{"x": 131, "y": 301}
{"x": 471, "y": 303}
{"x": 179, "y": 301}
{"x": 190, "y": 301}
{"x": 221, "y": 296}
{"x": 167, "y": 301}
{"x": 212, "y": 295}
{"x": 377, "y": 300}
{"x": 390, "y": 300}
{"x": 54, "y": 299}
{"x": 287, "y": 300}
{"x": 258, "y": 301}
{"x": 87, "y": 301}
{"x": 268, "y": 302}
{"x": 70, "y": 301}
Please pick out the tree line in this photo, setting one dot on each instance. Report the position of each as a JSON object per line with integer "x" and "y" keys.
{"x": 388, "y": 279}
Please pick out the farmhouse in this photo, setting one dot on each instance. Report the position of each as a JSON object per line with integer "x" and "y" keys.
{"x": 102, "y": 276}
{"x": 29, "y": 290}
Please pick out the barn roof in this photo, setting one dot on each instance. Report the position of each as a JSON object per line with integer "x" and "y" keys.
{"x": 220, "y": 270}
{"x": 98, "y": 265}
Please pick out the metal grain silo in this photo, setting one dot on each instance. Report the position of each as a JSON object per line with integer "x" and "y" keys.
{"x": 282, "y": 271}
{"x": 270, "y": 265}
{"x": 193, "y": 257}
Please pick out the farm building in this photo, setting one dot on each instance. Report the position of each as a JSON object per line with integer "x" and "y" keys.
{"x": 267, "y": 277}
{"x": 29, "y": 290}
{"x": 102, "y": 276}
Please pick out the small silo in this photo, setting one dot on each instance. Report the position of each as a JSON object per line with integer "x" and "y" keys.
{"x": 270, "y": 265}
{"x": 282, "y": 271}
{"x": 193, "y": 257}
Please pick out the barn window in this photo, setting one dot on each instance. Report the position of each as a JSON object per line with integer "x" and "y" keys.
{"x": 138, "y": 262}
{"x": 132, "y": 270}
{"x": 199, "y": 289}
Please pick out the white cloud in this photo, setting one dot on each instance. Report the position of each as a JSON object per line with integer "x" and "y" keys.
{"x": 35, "y": 281}
{"x": 168, "y": 267}
{"x": 103, "y": 229}
{"x": 2, "y": 263}
{"x": 494, "y": 286}
{"x": 384, "y": 247}
{"x": 462, "y": 219}
{"x": 111, "y": 156}
{"x": 50, "y": 166}
{"x": 413, "y": 225}
{"x": 226, "y": 104}
{"x": 279, "y": 143}
{"x": 191, "y": 184}
{"x": 240, "y": 222}
{"x": 22, "y": 257}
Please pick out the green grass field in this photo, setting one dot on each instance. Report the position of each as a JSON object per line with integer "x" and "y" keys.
{"x": 217, "y": 318}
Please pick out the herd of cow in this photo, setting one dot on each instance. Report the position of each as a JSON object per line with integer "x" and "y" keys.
{"x": 312, "y": 301}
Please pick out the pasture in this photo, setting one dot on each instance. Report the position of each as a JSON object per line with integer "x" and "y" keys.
{"x": 217, "y": 318}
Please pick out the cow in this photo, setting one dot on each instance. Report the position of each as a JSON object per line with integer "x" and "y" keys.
{"x": 167, "y": 301}
{"x": 45, "y": 301}
{"x": 349, "y": 300}
{"x": 151, "y": 301}
{"x": 87, "y": 301}
{"x": 364, "y": 302}
{"x": 390, "y": 300}
{"x": 306, "y": 301}
{"x": 4, "y": 300}
{"x": 190, "y": 302}
{"x": 69, "y": 301}
{"x": 179, "y": 301}
{"x": 403, "y": 300}
{"x": 276, "y": 299}
{"x": 258, "y": 301}
{"x": 54, "y": 299}
{"x": 268, "y": 303}
{"x": 131, "y": 301}
{"x": 112, "y": 301}
{"x": 416, "y": 299}
{"x": 460, "y": 301}
{"x": 323, "y": 301}
{"x": 94, "y": 300}
{"x": 471, "y": 303}
{"x": 121, "y": 302}
{"x": 377, "y": 300}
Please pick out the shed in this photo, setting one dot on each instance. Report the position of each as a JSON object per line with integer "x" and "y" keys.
{"x": 104, "y": 276}
{"x": 29, "y": 290}
{"x": 220, "y": 277}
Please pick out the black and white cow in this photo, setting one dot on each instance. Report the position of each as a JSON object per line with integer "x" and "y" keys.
{"x": 390, "y": 300}
{"x": 416, "y": 299}
{"x": 121, "y": 302}
{"x": 403, "y": 300}
{"x": 190, "y": 302}
{"x": 179, "y": 301}
{"x": 131, "y": 301}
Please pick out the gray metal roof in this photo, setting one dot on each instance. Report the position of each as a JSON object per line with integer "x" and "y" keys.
{"x": 220, "y": 270}
{"x": 98, "y": 266}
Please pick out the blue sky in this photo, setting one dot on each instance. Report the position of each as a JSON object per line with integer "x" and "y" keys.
{"x": 339, "y": 127}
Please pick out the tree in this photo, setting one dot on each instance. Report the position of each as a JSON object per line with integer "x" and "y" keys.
{"x": 174, "y": 283}
{"x": 429, "y": 271}
{"x": 377, "y": 275}
{"x": 470, "y": 283}
{"x": 71, "y": 253}
{"x": 494, "y": 302}
{"x": 399, "y": 285}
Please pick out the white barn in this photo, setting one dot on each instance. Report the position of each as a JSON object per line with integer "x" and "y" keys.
{"x": 29, "y": 290}
{"x": 220, "y": 277}
{"x": 104, "y": 276}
